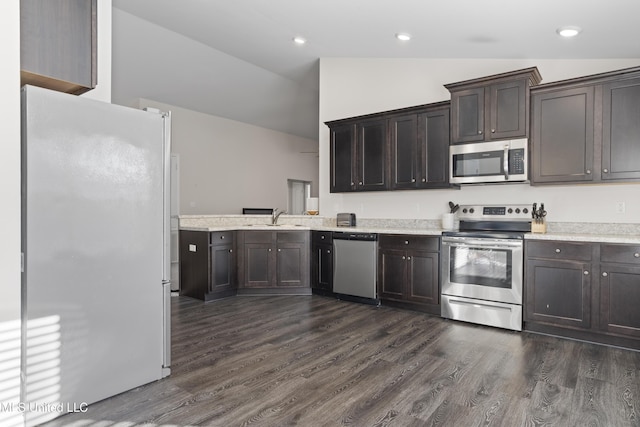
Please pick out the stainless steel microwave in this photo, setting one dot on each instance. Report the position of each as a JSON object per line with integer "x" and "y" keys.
{"x": 489, "y": 162}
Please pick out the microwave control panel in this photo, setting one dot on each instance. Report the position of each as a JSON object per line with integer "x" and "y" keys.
{"x": 516, "y": 161}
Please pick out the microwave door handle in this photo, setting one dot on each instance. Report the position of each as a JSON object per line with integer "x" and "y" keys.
{"x": 505, "y": 162}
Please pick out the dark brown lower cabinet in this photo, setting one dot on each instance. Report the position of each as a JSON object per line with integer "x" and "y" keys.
{"x": 586, "y": 291}
{"x": 559, "y": 292}
{"x": 207, "y": 264}
{"x": 276, "y": 261}
{"x": 408, "y": 271}
{"x": 322, "y": 262}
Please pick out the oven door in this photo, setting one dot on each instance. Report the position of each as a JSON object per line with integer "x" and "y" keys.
{"x": 486, "y": 269}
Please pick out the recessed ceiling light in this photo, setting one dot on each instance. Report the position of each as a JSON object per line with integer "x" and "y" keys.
{"x": 569, "y": 31}
{"x": 299, "y": 40}
{"x": 403, "y": 37}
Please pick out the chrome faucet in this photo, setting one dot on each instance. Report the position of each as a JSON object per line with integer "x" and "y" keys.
{"x": 275, "y": 215}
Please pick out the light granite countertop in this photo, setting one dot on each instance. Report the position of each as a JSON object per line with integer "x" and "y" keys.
{"x": 570, "y": 232}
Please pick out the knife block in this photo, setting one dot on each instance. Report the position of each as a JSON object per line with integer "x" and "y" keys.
{"x": 539, "y": 227}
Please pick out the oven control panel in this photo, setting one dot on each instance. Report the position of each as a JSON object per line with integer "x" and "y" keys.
{"x": 494, "y": 212}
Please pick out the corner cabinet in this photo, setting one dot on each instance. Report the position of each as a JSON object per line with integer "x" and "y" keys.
{"x": 358, "y": 156}
{"x": 586, "y": 130}
{"x": 588, "y": 291}
{"x": 207, "y": 264}
{"x": 408, "y": 271}
{"x": 274, "y": 262}
{"x": 392, "y": 150}
{"x": 58, "y": 44}
{"x": 492, "y": 108}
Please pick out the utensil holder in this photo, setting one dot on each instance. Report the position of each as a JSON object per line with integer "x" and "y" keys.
{"x": 539, "y": 227}
{"x": 448, "y": 221}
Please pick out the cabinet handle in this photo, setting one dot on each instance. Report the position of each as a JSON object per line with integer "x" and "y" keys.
{"x": 493, "y": 131}
{"x": 424, "y": 179}
{"x": 403, "y": 257}
{"x": 413, "y": 180}
{"x": 588, "y": 171}
{"x": 322, "y": 237}
{"x": 222, "y": 237}
{"x": 557, "y": 250}
{"x": 479, "y": 132}
{"x": 328, "y": 251}
{"x": 279, "y": 250}
{"x": 605, "y": 170}
{"x": 360, "y": 182}
{"x": 586, "y": 273}
{"x": 269, "y": 249}
{"x": 409, "y": 258}
{"x": 406, "y": 242}
{"x": 604, "y": 274}
{"x": 351, "y": 182}
{"x": 636, "y": 255}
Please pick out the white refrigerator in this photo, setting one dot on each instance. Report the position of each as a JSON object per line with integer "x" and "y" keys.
{"x": 95, "y": 242}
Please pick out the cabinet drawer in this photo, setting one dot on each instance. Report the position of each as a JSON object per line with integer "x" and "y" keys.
{"x": 559, "y": 250}
{"x": 628, "y": 254}
{"x": 407, "y": 241}
{"x": 292, "y": 236}
{"x": 221, "y": 237}
{"x": 320, "y": 237}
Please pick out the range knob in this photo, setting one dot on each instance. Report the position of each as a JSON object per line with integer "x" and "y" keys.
{"x": 525, "y": 210}
{"x": 509, "y": 210}
{"x": 517, "y": 210}
{"x": 471, "y": 210}
{"x": 464, "y": 210}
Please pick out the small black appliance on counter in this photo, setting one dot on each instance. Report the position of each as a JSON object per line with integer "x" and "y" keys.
{"x": 346, "y": 220}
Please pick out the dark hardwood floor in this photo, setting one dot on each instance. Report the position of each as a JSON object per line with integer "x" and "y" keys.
{"x": 316, "y": 361}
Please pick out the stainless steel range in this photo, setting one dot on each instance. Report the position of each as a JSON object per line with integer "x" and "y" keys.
{"x": 482, "y": 265}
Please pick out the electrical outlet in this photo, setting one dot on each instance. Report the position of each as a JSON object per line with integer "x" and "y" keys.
{"x": 620, "y": 207}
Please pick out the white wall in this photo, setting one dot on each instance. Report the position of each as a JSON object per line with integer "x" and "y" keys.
{"x": 10, "y": 212}
{"x": 226, "y": 165}
{"x": 351, "y": 87}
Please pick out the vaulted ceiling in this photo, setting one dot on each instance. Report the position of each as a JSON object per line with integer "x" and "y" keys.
{"x": 236, "y": 58}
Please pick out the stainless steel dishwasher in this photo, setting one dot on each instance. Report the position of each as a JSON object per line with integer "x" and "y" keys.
{"x": 354, "y": 266}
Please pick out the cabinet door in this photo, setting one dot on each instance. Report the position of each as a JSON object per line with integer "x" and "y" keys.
{"x": 222, "y": 268}
{"x": 508, "y": 110}
{"x": 322, "y": 267}
{"x": 620, "y": 299}
{"x": 434, "y": 149}
{"x": 58, "y": 44}
{"x": 621, "y": 130}
{"x": 258, "y": 265}
{"x": 562, "y": 136}
{"x": 392, "y": 273}
{"x": 467, "y": 115}
{"x": 292, "y": 265}
{"x": 372, "y": 155}
{"x": 342, "y": 152}
{"x": 423, "y": 277}
{"x": 558, "y": 293}
{"x": 403, "y": 136}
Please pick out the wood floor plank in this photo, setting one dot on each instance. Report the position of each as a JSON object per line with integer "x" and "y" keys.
{"x": 317, "y": 361}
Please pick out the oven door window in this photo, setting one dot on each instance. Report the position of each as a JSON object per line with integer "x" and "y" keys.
{"x": 487, "y": 163}
{"x": 483, "y": 267}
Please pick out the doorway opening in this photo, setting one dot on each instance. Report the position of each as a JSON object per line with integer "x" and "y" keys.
{"x": 299, "y": 192}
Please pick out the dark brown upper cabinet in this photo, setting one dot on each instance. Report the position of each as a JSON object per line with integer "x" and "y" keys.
{"x": 359, "y": 155}
{"x": 400, "y": 149}
{"x": 587, "y": 130}
{"x": 58, "y": 44}
{"x": 492, "y": 108}
{"x": 419, "y": 145}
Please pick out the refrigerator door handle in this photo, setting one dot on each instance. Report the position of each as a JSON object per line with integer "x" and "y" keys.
{"x": 166, "y": 317}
